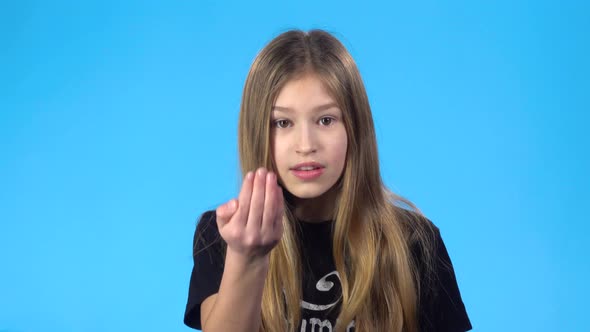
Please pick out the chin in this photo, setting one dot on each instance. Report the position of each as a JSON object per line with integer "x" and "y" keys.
{"x": 306, "y": 194}
{"x": 307, "y": 191}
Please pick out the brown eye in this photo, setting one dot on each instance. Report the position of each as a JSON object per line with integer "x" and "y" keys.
{"x": 326, "y": 121}
{"x": 282, "y": 123}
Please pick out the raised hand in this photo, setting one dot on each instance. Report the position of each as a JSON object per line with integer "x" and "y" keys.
{"x": 253, "y": 225}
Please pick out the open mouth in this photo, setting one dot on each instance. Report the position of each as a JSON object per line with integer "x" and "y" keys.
{"x": 307, "y": 168}
{"x": 308, "y": 172}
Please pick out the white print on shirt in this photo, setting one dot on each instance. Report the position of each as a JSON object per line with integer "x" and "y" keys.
{"x": 323, "y": 286}
{"x": 320, "y": 325}
{"x": 316, "y": 324}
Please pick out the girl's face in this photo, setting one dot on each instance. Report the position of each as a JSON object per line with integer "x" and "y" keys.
{"x": 308, "y": 138}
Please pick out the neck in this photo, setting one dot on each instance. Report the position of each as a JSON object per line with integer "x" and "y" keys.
{"x": 315, "y": 209}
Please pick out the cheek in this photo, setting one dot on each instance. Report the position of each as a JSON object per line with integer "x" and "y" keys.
{"x": 277, "y": 151}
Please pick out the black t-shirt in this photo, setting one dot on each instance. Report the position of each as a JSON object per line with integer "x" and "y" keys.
{"x": 441, "y": 308}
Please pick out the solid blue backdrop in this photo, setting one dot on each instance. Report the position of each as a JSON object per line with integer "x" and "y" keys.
{"x": 118, "y": 128}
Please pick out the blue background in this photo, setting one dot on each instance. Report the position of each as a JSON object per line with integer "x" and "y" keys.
{"x": 118, "y": 128}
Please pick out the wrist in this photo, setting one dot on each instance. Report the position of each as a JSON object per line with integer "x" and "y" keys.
{"x": 247, "y": 262}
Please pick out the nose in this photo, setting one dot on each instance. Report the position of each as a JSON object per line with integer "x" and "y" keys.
{"x": 306, "y": 140}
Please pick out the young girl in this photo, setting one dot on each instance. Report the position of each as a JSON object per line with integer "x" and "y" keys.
{"x": 315, "y": 241}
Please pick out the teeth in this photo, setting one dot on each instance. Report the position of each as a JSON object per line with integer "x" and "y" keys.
{"x": 306, "y": 168}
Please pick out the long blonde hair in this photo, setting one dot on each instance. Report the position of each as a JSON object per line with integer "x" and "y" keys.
{"x": 371, "y": 243}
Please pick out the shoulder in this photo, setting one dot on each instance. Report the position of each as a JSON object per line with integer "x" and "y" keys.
{"x": 208, "y": 264}
{"x": 441, "y": 305}
{"x": 207, "y": 217}
{"x": 207, "y": 222}
{"x": 426, "y": 246}
{"x": 206, "y": 232}
{"x": 421, "y": 233}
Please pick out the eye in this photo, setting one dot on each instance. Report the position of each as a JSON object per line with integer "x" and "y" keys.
{"x": 281, "y": 123}
{"x": 326, "y": 121}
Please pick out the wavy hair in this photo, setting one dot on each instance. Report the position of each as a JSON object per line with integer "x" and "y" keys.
{"x": 371, "y": 243}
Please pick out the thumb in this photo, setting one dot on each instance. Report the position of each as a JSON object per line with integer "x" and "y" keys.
{"x": 226, "y": 211}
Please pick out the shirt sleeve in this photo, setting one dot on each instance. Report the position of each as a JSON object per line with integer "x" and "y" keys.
{"x": 208, "y": 262}
{"x": 444, "y": 310}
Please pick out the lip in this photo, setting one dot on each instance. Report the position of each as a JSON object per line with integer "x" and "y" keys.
{"x": 308, "y": 175}
{"x": 308, "y": 164}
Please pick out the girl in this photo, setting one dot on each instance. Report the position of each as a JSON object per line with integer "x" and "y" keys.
{"x": 315, "y": 241}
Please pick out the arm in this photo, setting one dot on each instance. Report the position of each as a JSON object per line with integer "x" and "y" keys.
{"x": 237, "y": 305}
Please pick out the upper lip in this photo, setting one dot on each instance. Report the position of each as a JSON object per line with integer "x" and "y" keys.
{"x": 308, "y": 164}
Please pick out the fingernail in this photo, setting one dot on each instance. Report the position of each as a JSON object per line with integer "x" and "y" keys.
{"x": 232, "y": 204}
{"x": 249, "y": 175}
{"x": 261, "y": 171}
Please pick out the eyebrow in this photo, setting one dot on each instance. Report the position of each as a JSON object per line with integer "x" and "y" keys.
{"x": 315, "y": 109}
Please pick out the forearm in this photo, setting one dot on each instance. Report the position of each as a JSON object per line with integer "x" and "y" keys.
{"x": 237, "y": 306}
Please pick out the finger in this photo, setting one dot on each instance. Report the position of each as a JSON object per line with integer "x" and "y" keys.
{"x": 278, "y": 220}
{"x": 244, "y": 199}
{"x": 225, "y": 211}
{"x": 231, "y": 207}
{"x": 270, "y": 204}
{"x": 257, "y": 202}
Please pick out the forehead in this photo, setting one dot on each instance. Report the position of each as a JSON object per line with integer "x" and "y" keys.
{"x": 305, "y": 93}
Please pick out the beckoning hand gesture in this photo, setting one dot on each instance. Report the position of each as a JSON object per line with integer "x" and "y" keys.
{"x": 253, "y": 224}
